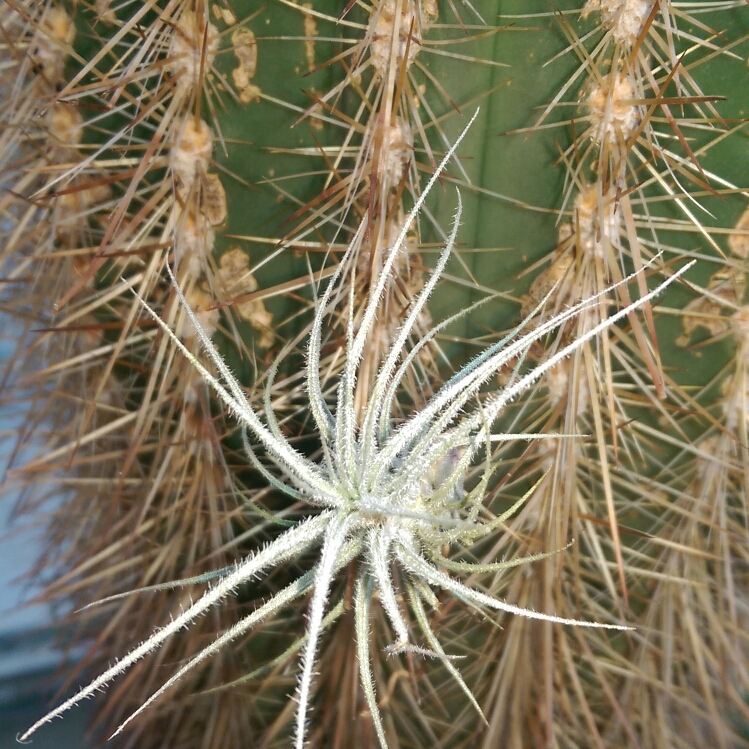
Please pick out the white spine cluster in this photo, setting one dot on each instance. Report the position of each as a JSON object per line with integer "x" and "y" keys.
{"x": 614, "y": 116}
{"x": 397, "y": 151}
{"x": 625, "y": 18}
{"x": 193, "y": 48}
{"x": 191, "y": 153}
{"x": 51, "y": 44}
{"x": 598, "y": 219}
{"x": 399, "y": 32}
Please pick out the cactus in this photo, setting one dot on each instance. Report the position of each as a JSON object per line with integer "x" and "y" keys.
{"x": 277, "y": 159}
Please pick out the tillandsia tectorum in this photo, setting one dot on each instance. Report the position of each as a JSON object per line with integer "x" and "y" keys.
{"x": 383, "y": 496}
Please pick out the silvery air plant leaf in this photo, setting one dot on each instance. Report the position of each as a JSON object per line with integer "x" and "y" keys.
{"x": 373, "y": 496}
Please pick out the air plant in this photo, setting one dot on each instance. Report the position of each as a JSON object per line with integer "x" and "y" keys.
{"x": 383, "y": 495}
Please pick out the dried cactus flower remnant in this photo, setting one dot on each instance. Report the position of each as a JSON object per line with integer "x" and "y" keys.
{"x": 244, "y": 45}
{"x": 65, "y": 124}
{"x": 203, "y": 305}
{"x": 234, "y": 272}
{"x": 213, "y": 199}
{"x": 551, "y": 281}
{"x": 104, "y": 11}
{"x": 707, "y": 312}
{"x": 223, "y": 13}
{"x": 310, "y": 32}
{"x": 738, "y": 240}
